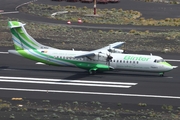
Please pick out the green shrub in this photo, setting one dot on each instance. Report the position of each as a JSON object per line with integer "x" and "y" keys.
{"x": 4, "y": 106}
{"x": 167, "y": 107}
{"x": 142, "y": 104}
{"x": 132, "y": 31}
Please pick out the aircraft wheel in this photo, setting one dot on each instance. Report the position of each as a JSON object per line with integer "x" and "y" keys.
{"x": 161, "y": 74}
{"x": 92, "y": 72}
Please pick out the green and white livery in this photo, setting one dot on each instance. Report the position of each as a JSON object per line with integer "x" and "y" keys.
{"x": 103, "y": 59}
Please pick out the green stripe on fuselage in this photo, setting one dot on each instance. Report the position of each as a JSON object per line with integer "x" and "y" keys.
{"x": 166, "y": 64}
{"x": 24, "y": 36}
{"x": 32, "y": 57}
{"x": 80, "y": 64}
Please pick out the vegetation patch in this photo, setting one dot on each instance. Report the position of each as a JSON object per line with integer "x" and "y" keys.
{"x": 80, "y": 110}
{"x": 84, "y": 39}
{"x": 162, "y": 1}
{"x": 106, "y": 16}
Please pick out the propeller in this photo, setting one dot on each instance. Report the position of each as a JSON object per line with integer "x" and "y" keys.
{"x": 109, "y": 57}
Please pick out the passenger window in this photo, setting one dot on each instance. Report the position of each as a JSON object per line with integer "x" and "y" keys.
{"x": 117, "y": 61}
{"x": 120, "y": 61}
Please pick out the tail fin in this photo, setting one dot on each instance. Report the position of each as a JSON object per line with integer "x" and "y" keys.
{"x": 22, "y": 40}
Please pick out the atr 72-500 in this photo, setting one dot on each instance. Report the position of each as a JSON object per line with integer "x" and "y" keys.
{"x": 103, "y": 59}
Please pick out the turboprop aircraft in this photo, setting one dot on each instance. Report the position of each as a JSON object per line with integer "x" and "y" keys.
{"x": 103, "y": 59}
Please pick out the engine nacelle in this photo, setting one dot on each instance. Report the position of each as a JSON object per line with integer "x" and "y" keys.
{"x": 113, "y": 50}
{"x": 102, "y": 56}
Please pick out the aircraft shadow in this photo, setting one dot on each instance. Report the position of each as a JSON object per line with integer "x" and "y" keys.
{"x": 140, "y": 74}
{"x": 84, "y": 74}
{"x": 76, "y": 74}
{"x": 43, "y": 70}
{"x": 4, "y": 67}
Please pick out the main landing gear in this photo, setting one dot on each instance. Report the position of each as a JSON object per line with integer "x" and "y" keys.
{"x": 161, "y": 74}
{"x": 92, "y": 72}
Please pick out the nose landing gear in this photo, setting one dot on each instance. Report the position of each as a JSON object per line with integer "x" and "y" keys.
{"x": 92, "y": 72}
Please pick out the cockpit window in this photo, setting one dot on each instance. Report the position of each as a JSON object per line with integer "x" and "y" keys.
{"x": 160, "y": 60}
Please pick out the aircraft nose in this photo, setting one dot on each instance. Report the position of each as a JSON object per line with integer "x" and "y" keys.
{"x": 169, "y": 66}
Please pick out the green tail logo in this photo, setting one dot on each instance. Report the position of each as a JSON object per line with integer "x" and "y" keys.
{"x": 22, "y": 40}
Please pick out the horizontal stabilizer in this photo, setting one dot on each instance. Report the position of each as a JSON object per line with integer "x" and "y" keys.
{"x": 40, "y": 63}
{"x": 15, "y": 24}
{"x": 174, "y": 66}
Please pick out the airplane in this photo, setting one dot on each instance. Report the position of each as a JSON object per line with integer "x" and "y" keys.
{"x": 104, "y": 59}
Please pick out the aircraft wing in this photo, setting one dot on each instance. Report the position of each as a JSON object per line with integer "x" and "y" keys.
{"x": 101, "y": 50}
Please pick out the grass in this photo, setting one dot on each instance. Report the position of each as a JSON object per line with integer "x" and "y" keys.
{"x": 106, "y": 16}
{"x": 67, "y": 38}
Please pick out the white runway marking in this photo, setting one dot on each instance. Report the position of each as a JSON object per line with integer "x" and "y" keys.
{"x": 57, "y": 83}
{"x": 4, "y": 53}
{"x": 9, "y": 12}
{"x": 168, "y": 77}
{"x": 172, "y": 60}
{"x": 66, "y": 82}
{"x": 63, "y": 80}
{"x": 92, "y": 93}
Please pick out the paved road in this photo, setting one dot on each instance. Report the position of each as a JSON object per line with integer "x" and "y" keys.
{"x": 10, "y": 5}
{"x": 149, "y": 10}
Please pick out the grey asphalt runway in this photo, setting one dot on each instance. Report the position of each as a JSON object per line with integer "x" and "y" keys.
{"x": 62, "y": 83}
{"x": 124, "y": 87}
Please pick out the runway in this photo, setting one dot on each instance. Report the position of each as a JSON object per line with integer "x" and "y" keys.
{"x": 20, "y": 77}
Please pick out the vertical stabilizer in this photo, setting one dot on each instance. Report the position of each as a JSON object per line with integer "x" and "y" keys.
{"x": 22, "y": 40}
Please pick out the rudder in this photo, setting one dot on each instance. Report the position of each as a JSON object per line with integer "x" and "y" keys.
{"x": 22, "y": 40}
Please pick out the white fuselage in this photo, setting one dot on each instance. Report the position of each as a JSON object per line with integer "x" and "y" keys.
{"x": 132, "y": 62}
